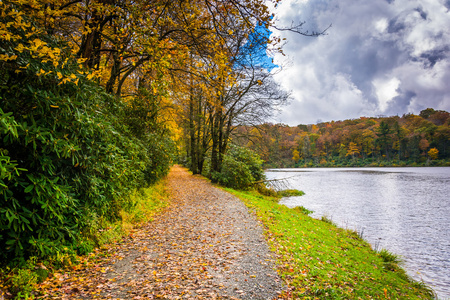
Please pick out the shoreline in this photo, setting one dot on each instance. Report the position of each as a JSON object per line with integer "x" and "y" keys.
{"x": 318, "y": 259}
{"x": 371, "y": 165}
{"x": 297, "y": 169}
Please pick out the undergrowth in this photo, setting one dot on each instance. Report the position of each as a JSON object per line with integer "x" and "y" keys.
{"x": 21, "y": 282}
{"x": 318, "y": 260}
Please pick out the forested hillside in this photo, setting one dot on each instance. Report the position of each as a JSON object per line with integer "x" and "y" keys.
{"x": 411, "y": 140}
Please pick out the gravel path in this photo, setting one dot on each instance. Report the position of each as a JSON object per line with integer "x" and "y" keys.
{"x": 206, "y": 245}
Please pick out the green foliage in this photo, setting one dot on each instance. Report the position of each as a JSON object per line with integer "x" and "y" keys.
{"x": 389, "y": 257}
{"x": 234, "y": 174}
{"x": 69, "y": 157}
{"x": 22, "y": 281}
{"x": 290, "y": 193}
{"x": 250, "y": 159}
{"x": 263, "y": 189}
{"x": 241, "y": 167}
{"x": 391, "y": 260}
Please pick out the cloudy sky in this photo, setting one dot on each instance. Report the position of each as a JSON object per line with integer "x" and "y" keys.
{"x": 380, "y": 57}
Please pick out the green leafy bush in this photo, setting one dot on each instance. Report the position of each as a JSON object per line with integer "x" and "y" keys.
{"x": 68, "y": 155}
{"x": 250, "y": 159}
{"x": 241, "y": 167}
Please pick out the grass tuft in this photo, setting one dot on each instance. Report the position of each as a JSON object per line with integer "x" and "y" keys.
{"x": 389, "y": 257}
{"x": 302, "y": 210}
{"x": 290, "y": 193}
{"x": 327, "y": 220}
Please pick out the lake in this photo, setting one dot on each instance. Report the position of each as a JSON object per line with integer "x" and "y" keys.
{"x": 403, "y": 210}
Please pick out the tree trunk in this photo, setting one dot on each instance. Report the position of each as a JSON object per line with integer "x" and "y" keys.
{"x": 193, "y": 142}
{"x": 115, "y": 71}
{"x": 215, "y": 133}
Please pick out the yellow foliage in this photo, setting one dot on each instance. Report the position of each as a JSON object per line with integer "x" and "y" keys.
{"x": 6, "y": 57}
{"x": 295, "y": 155}
{"x": 142, "y": 41}
{"x": 352, "y": 149}
{"x": 433, "y": 153}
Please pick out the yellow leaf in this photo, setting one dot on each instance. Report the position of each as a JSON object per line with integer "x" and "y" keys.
{"x": 20, "y": 48}
{"x": 6, "y": 57}
{"x": 37, "y": 43}
{"x": 59, "y": 75}
{"x": 54, "y": 106}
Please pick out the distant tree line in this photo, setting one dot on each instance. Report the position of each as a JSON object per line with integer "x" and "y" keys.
{"x": 422, "y": 139}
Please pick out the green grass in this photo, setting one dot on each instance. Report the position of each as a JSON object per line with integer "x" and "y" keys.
{"x": 318, "y": 260}
{"x": 290, "y": 193}
{"x": 147, "y": 203}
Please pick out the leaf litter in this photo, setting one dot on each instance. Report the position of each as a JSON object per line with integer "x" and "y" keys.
{"x": 205, "y": 245}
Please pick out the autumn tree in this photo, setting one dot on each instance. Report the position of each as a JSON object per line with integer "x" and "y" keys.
{"x": 235, "y": 83}
{"x": 433, "y": 153}
{"x": 70, "y": 157}
{"x": 333, "y": 140}
{"x": 295, "y": 155}
{"x": 368, "y": 139}
{"x": 352, "y": 150}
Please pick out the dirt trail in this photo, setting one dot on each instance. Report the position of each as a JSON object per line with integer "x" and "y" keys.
{"x": 206, "y": 245}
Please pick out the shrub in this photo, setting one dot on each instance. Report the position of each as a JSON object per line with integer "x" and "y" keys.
{"x": 241, "y": 167}
{"x": 68, "y": 158}
{"x": 263, "y": 189}
{"x": 235, "y": 174}
{"x": 250, "y": 159}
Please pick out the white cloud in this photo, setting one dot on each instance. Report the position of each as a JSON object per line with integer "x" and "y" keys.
{"x": 386, "y": 90}
{"x": 381, "y": 25}
{"x": 377, "y": 58}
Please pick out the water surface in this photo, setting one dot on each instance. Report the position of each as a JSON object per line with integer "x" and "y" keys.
{"x": 403, "y": 210}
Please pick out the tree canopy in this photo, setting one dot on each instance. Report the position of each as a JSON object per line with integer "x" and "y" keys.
{"x": 97, "y": 98}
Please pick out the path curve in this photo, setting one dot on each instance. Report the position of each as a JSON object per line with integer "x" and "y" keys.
{"x": 205, "y": 245}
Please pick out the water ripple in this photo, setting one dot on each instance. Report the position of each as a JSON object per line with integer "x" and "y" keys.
{"x": 403, "y": 210}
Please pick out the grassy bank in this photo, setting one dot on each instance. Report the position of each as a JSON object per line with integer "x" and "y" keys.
{"x": 318, "y": 260}
{"x": 23, "y": 282}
